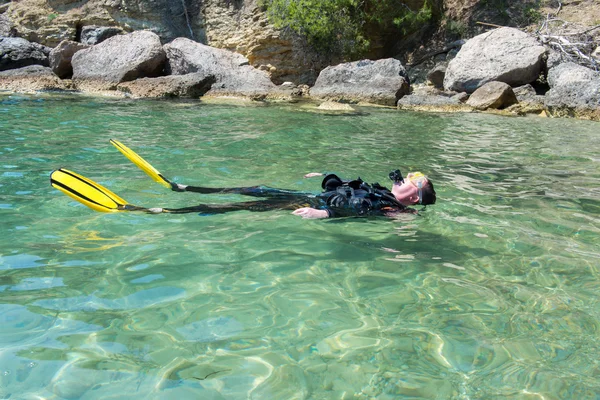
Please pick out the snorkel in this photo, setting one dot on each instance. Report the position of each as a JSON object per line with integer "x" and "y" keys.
{"x": 418, "y": 179}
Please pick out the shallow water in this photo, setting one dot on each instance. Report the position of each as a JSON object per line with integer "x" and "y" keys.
{"x": 491, "y": 293}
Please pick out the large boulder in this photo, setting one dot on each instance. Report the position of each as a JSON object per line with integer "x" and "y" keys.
{"x": 185, "y": 56}
{"x": 495, "y": 95}
{"x": 505, "y": 54}
{"x": 233, "y": 75}
{"x": 119, "y": 59}
{"x": 379, "y": 82}
{"x": 18, "y": 52}
{"x": 30, "y": 79}
{"x": 190, "y": 86}
{"x": 61, "y": 56}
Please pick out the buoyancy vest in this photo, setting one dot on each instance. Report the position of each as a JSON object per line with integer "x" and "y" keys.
{"x": 356, "y": 197}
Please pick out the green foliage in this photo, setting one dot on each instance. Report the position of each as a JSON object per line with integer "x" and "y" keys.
{"x": 515, "y": 13}
{"x": 410, "y": 21}
{"x": 456, "y": 28}
{"x": 344, "y": 26}
{"x": 531, "y": 15}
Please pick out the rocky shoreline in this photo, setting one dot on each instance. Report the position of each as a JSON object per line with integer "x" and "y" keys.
{"x": 503, "y": 70}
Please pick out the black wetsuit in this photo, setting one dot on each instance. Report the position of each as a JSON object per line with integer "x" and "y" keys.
{"x": 339, "y": 198}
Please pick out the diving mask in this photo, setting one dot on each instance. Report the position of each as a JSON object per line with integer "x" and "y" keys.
{"x": 419, "y": 180}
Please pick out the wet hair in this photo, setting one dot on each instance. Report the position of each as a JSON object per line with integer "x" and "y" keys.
{"x": 427, "y": 194}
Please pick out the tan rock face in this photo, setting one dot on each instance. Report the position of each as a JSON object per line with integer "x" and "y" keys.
{"x": 246, "y": 30}
{"x": 38, "y": 21}
{"x": 239, "y": 26}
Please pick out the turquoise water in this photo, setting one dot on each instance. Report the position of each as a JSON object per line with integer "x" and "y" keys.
{"x": 492, "y": 293}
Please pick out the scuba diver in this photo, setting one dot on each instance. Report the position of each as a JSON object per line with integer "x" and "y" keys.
{"x": 339, "y": 198}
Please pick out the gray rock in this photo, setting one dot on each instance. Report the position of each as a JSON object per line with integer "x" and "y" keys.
{"x": 461, "y": 97}
{"x": 504, "y": 54}
{"x": 428, "y": 100}
{"x": 529, "y": 102}
{"x": 436, "y": 75}
{"x": 192, "y": 85}
{"x": 29, "y": 79}
{"x": 233, "y": 75}
{"x": 569, "y": 73}
{"x": 185, "y": 56}
{"x": 119, "y": 59}
{"x": 579, "y": 96}
{"x": 432, "y": 103}
{"x": 524, "y": 91}
{"x": 426, "y": 90}
{"x": 575, "y": 91}
{"x": 496, "y": 95}
{"x": 93, "y": 34}
{"x": 379, "y": 82}
{"x": 18, "y": 52}
{"x": 554, "y": 58}
{"x": 60, "y": 57}
{"x": 5, "y": 25}
{"x": 28, "y": 71}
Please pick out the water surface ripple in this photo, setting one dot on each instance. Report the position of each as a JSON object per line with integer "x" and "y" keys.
{"x": 490, "y": 294}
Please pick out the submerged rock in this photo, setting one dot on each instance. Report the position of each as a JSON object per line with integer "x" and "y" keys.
{"x": 433, "y": 103}
{"x": 334, "y": 106}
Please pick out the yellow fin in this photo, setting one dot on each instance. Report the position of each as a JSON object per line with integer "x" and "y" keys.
{"x": 141, "y": 163}
{"x": 86, "y": 191}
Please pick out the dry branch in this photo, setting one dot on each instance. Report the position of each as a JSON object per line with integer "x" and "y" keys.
{"x": 573, "y": 44}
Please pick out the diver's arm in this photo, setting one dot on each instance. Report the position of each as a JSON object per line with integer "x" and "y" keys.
{"x": 313, "y": 174}
{"x": 311, "y": 213}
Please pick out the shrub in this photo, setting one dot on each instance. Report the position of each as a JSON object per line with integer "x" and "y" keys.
{"x": 343, "y": 27}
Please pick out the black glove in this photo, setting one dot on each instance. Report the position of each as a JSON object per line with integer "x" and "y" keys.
{"x": 396, "y": 176}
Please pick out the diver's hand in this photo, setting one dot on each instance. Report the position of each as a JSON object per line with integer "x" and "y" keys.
{"x": 313, "y": 174}
{"x": 312, "y": 213}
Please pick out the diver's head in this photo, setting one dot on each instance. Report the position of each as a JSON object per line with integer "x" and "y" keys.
{"x": 415, "y": 189}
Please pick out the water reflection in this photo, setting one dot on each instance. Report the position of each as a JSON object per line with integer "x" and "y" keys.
{"x": 491, "y": 293}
